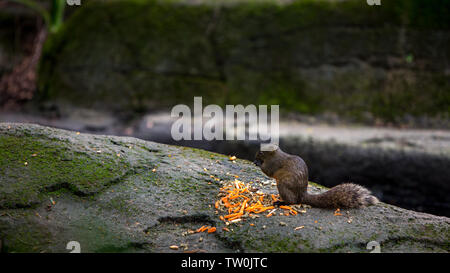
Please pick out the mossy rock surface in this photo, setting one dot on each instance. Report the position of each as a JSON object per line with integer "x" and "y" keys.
{"x": 344, "y": 57}
{"x": 121, "y": 194}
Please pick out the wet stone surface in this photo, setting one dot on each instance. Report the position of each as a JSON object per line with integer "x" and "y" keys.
{"x": 122, "y": 194}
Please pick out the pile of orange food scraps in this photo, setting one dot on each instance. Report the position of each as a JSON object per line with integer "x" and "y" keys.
{"x": 240, "y": 200}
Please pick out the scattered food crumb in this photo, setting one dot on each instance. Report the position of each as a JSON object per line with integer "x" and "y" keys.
{"x": 337, "y": 212}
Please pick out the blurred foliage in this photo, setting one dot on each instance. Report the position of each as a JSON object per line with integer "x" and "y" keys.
{"x": 308, "y": 56}
{"x": 53, "y": 16}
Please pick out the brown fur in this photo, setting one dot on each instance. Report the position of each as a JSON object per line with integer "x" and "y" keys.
{"x": 291, "y": 174}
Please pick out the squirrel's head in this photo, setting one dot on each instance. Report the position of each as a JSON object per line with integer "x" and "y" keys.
{"x": 262, "y": 156}
{"x": 264, "y": 159}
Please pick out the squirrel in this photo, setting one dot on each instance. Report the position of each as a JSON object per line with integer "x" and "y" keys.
{"x": 291, "y": 175}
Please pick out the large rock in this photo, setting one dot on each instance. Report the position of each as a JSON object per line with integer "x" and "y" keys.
{"x": 119, "y": 194}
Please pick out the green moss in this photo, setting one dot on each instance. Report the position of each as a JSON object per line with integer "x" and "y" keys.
{"x": 23, "y": 239}
{"x": 31, "y": 166}
{"x": 122, "y": 204}
{"x": 278, "y": 243}
{"x": 317, "y": 185}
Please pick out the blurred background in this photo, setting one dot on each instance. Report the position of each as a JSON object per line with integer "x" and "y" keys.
{"x": 364, "y": 90}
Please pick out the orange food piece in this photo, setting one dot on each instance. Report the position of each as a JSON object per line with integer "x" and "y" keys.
{"x": 273, "y": 197}
{"x": 203, "y": 228}
{"x": 232, "y": 215}
{"x": 237, "y": 196}
{"x": 243, "y": 207}
{"x": 291, "y": 210}
{"x": 264, "y": 209}
{"x": 211, "y": 229}
{"x": 235, "y": 217}
{"x": 253, "y": 208}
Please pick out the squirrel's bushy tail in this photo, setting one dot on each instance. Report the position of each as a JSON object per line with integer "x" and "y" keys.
{"x": 346, "y": 195}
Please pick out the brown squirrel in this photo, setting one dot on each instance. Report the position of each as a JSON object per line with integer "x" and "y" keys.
{"x": 291, "y": 174}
